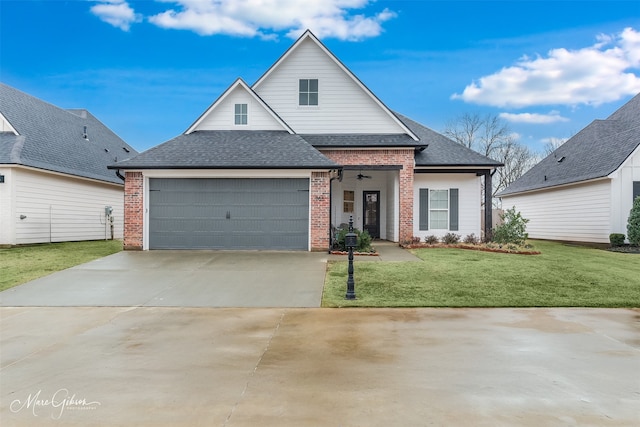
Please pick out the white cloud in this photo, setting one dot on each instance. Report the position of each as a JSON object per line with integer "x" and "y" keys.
{"x": 534, "y": 118}
{"x": 261, "y": 18}
{"x": 116, "y": 12}
{"x": 592, "y": 75}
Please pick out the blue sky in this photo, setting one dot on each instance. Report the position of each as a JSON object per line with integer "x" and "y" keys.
{"x": 148, "y": 69}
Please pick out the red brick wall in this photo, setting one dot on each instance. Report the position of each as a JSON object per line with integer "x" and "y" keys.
{"x": 320, "y": 200}
{"x": 404, "y": 157}
{"x": 133, "y": 210}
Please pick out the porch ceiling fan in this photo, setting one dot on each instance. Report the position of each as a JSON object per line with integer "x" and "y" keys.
{"x": 360, "y": 176}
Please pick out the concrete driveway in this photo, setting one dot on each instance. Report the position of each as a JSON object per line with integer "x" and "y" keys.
{"x": 181, "y": 279}
{"x": 165, "y": 366}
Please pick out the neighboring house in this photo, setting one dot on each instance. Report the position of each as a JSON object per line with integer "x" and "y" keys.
{"x": 584, "y": 190}
{"x": 54, "y": 181}
{"x": 282, "y": 163}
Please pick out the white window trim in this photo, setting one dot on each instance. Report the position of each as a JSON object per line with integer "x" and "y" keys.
{"x": 240, "y": 115}
{"x": 431, "y": 209}
{"x": 298, "y": 93}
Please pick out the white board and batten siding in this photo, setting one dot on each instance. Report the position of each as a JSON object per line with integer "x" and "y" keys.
{"x": 223, "y": 116}
{"x": 469, "y": 202}
{"x": 343, "y": 106}
{"x": 622, "y": 192}
{"x": 58, "y": 208}
{"x": 579, "y": 213}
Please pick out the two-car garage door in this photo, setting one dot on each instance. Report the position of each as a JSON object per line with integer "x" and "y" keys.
{"x": 228, "y": 213}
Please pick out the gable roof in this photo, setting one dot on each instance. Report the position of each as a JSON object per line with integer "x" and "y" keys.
{"x": 239, "y": 83}
{"x": 308, "y": 35}
{"x": 595, "y": 152}
{"x": 52, "y": 138}
{"x": 231, "y": 149}
{"x": 441, "y": 151}
{"x": 355, "y": 140}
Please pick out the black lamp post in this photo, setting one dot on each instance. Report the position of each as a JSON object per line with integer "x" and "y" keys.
{"x": 351, "y": 241}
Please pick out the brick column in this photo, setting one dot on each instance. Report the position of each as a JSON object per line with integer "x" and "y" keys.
{"x": 406, "y": 200}
{"x": 320, "y": 200}
{"x": 133, "y": 210}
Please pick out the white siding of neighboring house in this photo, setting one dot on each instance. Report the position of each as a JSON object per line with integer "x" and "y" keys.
{"x": 344, "y": 107}
{"x": 223, "y": 116}
{"x": 7, "y": 209}
{"x": 580, "y": 212}
{"x": 60, "y": 208}
{"x": 622, "y": 192}
{"x": 469, "y": 199}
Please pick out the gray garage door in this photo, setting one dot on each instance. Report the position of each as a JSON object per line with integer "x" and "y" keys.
{"x": 193, "y": 213}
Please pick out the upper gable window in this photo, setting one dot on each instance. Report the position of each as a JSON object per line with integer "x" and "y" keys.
{"x": 308, "y": 93}
{"x": 240, "y": 116}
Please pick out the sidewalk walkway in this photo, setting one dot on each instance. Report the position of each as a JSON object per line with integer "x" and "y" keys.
{"x": 387, "y": 251}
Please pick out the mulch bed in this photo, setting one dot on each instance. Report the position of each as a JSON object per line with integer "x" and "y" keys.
{"x": 472, "y": 248}
{"x": 627, "y": 249}
{"x": 355, "y": 253}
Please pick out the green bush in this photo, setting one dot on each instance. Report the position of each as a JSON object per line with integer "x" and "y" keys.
{"x": 451, "y": 238}
{"x": 431, "y": 240}
{"x": 616, "y": 239}
{"x": 513, "y": 228}
{"x": 633, "y": 225}
{"x": 363, "y": 240}
{"x": 471, "y": 239}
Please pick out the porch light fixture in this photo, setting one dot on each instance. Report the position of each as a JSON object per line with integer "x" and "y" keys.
{"x": 1, "y": 179}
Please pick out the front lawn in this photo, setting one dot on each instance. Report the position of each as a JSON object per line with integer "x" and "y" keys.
{"x": 24, "y": 263}
{"x": 562, "y": 276}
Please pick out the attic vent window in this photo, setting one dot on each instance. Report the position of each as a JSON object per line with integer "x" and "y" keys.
{"x": 308, "y": 92}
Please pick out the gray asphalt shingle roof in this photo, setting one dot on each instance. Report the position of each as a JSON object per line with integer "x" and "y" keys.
{"x": 595, "y": 152}
{"x": 443, "y": 151}
{"x": 348, "y": 140}
{"x": 245, "y": 149}
{"x": 231, "y": 149}
{"x": 51, "y": 138}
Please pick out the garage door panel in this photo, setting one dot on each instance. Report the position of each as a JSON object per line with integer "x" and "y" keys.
{"x": 228, "y": 213}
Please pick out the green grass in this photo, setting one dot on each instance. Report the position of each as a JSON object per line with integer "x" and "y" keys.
{"x": 24, "y": 263}
{"x": 562, "y": 276}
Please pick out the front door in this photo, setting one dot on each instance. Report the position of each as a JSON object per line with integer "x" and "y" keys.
{"x": 371, "y": 214}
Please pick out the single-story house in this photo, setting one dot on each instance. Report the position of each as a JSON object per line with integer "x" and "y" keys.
{"x": 584, "y": 190}
{"x": 283, "y": 162}
{"x": 54, "y": 182}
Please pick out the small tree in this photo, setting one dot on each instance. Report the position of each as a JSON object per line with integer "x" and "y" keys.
{"x": 633, "y": 225}
{"x": 513, "y": 228}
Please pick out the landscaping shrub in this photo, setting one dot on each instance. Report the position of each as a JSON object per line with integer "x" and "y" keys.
{"x": 616, "y": 239}
{"x": 431, "y": 240}
{"x": 471, "y": 239}
{"x": 364, "y": 240}
{"x": 416, "y": 239}
{"x": 451, "y": 238}
{"x": 513, "y": 228}
{"x": 633, "y": 225}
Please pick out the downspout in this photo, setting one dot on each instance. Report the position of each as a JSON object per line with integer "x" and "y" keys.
{"x": 119, "y": 175}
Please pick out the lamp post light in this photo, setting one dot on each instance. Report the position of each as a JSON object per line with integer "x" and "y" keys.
{"x": 351, "y": 241}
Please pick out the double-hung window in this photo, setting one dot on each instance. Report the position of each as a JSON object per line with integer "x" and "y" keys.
{"x": 308, "y": 92}
{"x": 240, "y": 115}
{"x": 439, "y": 209}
